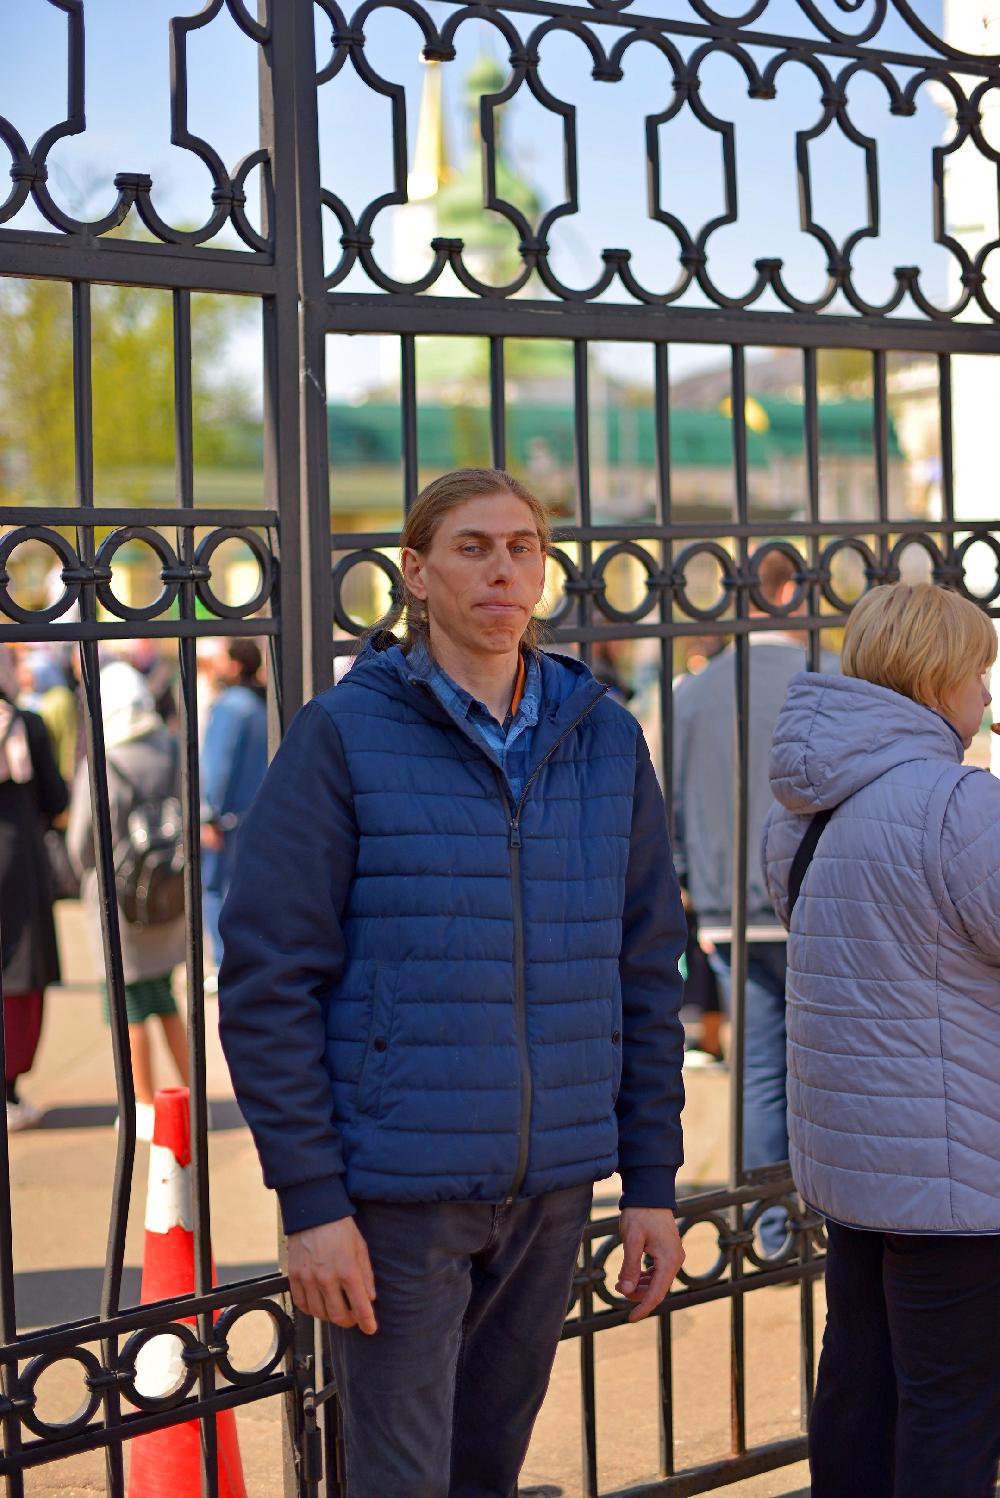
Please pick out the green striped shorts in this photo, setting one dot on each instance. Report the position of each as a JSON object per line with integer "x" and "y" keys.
{"x": 143, "y": 998}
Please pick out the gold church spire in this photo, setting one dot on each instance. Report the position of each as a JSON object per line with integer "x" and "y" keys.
{"x": 431, "y": 167}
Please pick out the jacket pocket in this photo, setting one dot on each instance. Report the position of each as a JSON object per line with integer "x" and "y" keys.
{"x": 377, "y": 1049}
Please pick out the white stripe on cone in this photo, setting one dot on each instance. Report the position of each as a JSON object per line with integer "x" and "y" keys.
{"x": 159, "y": 1368}
{"x": 168, "y": 1200}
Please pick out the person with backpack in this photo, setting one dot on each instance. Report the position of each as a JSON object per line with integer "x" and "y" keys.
{"x": 32, "y": 795}
{"x": 883, "y": 859}
{"x": 143, "y": 759}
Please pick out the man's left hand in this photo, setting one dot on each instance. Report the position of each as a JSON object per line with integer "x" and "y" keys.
{"x": 649, "y": 1231}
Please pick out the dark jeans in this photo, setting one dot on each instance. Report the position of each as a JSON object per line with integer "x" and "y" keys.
{"x": 908, "y": 1393}
{"x": 471, "y": 1299}
{"x": 765, "y": 1107}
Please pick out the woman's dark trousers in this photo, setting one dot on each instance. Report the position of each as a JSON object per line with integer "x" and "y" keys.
{"x": 908, "y": 1392}
{"x": 470, "y": 1303}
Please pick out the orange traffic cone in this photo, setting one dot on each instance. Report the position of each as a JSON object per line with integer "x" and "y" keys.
{"x": 167, "y": 1463}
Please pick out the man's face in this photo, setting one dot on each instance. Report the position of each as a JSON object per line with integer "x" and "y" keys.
{"x": 482, "y": 574}
{"x": 216, "y": 665}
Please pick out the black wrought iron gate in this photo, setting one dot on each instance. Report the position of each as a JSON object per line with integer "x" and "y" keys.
{"x": 636, "y": 573}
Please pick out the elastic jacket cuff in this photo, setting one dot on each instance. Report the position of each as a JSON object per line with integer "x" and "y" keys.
{"x": 649, "y": 1186}
{"x": 311, "y": 1203}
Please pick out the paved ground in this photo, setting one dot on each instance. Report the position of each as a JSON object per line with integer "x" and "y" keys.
{"x": 61, "y": 1189}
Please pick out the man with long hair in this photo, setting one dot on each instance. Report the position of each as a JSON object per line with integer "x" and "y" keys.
{"x": 449, "y": 1002}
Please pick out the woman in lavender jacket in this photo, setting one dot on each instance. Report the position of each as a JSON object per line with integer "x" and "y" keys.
{"x": 894, "y": 1042}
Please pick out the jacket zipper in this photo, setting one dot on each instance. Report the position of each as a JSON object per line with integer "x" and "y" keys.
{"x": 514, "y": 843}
{"x": 520, "y": 1010}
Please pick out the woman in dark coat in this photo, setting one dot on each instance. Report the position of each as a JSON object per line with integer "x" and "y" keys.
{"x": 32, "y": 794}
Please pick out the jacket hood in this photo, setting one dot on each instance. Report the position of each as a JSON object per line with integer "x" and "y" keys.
{"x": 836, "y": 734}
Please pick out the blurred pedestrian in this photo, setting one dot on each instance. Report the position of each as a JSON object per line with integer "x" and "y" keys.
{"x": 47, "y": 688}
{"x": 894, "y": 1041}
{"x": 233, "y": 764}
{"x": 32, "y": 795}
{"x": 704, "y": 777}
{"x": 159, "y": 672}
{"x": 143, "y": 759}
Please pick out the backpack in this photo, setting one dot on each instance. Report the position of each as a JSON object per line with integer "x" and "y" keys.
{"x": 149, "y": 858}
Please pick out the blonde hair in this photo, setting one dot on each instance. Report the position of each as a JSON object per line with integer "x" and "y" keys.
{"x": 918, "y": 639}
{"x": 431, "y": 506}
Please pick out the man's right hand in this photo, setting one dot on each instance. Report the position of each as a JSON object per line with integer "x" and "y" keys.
{"x": 331, "y": 1276}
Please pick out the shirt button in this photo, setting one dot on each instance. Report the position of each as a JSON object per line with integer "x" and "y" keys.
{"x": 616, "y": 1037}
{"x": 380, "y": 1043}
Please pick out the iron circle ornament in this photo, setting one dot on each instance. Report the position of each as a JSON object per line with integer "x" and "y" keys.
{"x": 72, "y": 573}
{"x": 714, "y": 1273}
{"x": 827, "y": 556}
{"x": 573, "y": 585}
{"x": 164, "y": 553}
{"x": 789, "y": 1250}
{"x": 924, "y": 543}
{"x": 599, "y": 1275}
{"x": 654, "y": 582}
{"x": 727, "y": 568}
{"x": 203, "y": 569}
{"x": 187, "y": 1371}
{"x": 802, "y": 576}
{"x": 60, "y": 1429}
{"x": 992, "y": 543}
{"x": 245, "y": 1378}
{"x": 397, "y": 595}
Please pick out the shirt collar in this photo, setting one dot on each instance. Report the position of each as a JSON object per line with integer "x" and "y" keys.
{"x": 528, "y": 683}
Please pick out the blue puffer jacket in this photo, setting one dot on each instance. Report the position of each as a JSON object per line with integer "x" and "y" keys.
{"x": 431, "y": 995}
{"x": 893, "y": 961}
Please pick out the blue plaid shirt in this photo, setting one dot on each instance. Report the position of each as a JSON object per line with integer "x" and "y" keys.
{"x": 508, "y": 743}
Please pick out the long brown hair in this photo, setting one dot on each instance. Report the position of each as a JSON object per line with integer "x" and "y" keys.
{"x": 431, "y": 506}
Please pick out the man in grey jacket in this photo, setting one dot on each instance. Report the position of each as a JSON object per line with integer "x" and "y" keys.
{"x": 703, "y": 854}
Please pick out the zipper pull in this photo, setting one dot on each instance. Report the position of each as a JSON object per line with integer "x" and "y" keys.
{"x": 515, "y": 835}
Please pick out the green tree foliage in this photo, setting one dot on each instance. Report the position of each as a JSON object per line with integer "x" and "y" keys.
{"x": 844, "y": 372}
{"x": 133, "y": 372}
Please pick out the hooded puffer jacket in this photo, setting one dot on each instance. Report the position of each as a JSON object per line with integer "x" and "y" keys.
{"x": 430, "y": 993}
{"x": 893, "y": 961}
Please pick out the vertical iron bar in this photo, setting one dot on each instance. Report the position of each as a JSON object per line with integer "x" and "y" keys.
{"x": 408, "y": 418}
{"x": 738, "y": 948}
{"x": 303, "y": 1446}
{"x": 194, "y": 939}
{"x": 588, "y": 1389}
{"x": 661, "y": 420}
{"x": 581, "y": 437}
{"x": 947, "y": 458}
{"x": 8, "y": 1309}
{"x": 810, "y": 390}
{"x": 661, "y": 417}
{"x": 90, "y": 669}
{"x": 498, "y": 405}
{"x": 881, "y": 408}
{"x": 665, "y": 1370}
{"x": 329, "y": 1416}
{"x": 947, "y": 439}
{"x": 741, "y": 760}
{"x": 807, "y": 1334}
{"x": 296, "y": 426}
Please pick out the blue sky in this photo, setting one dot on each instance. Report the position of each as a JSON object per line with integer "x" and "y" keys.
{"x": 128, "y": 126}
